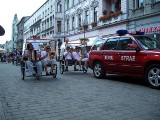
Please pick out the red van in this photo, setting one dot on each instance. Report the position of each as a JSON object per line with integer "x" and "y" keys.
{"x": 129, "y": 55}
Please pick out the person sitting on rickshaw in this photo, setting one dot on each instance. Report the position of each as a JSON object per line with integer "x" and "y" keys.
{"x": 48, "y": 58}
{"x": 68, "y": 56}
{"x": 77, "y": 56}
{"x": 32, "y": 56}
{"x": 85, "y": 60}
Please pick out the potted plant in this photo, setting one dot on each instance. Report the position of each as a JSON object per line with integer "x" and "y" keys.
{"x": 104, "y": 12}
{"x": 84, "y": 40}
{"x": 93, "y": 24}
{"x": 108, "y": 17}
{"x": 115, "y": 14}
{"x": 85, "y": 27}
{"x": 102, "y": 18}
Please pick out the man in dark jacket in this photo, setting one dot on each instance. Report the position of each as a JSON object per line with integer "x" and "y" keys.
{"x": 2, "y": 31}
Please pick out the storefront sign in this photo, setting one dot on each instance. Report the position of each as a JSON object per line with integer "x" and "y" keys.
{"x": 150, "y": 29}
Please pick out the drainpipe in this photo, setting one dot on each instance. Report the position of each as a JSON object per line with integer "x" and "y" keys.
{"x": 127, "y": 14}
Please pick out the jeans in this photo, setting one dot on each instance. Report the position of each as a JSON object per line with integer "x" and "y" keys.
{"x": 38, "y": 65}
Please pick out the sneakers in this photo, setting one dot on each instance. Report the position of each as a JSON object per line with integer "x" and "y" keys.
{"x": 47, "y": 73}
{"x": 81, "y": 69}
{"x": 34, "y": 74}
{"x": 66, "y": 69}
{"x": 38, "y": 77}
{"x": 75, "y": 69}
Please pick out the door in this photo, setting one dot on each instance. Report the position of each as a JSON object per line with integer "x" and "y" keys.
{"x": 110, "y": 56}
{"x": 131, "y": 61}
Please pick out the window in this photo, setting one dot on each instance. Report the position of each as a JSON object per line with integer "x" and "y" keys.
{"x": 67, "y": 24}
{"x": 51, "y": 9}
{"x": 87, "y": 17}
{"x": 95, "y": 14}
{"x": 111, "y": 44}
{"x": 157, "y": 1}
{"x": 98, "y": 44}
{"x": 48, "y": 11}
{"x": 67, "y": 4}
{"x": 139, "y": 3}
{"x": 58, "y": 26}
{"x": 43, "y": 14}
{"x": 59, "y": 7}
{"x": 79, "y": 20}
{"x": 72, "y": 23}
{"x": 73, "y": 2}
{"x": 51, "y": 21}
{"x": 123, "y": 43}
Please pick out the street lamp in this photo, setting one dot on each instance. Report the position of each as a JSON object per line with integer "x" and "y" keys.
{"x": 84, "y": 40}
{"x": 59, "y": 49}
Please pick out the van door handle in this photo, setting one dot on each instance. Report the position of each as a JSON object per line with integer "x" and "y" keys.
{"x": 103, "y": 53}
{"x": 120, "y": 53}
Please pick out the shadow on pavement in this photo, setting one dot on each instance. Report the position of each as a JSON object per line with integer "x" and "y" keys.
{"x": 125, "y": 79}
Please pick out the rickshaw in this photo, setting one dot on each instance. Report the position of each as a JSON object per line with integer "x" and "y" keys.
{"x": 24, "y": 68}
{"x": 71, "y": 63}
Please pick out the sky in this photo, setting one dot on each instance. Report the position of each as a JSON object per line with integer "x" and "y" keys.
{"x": 8, "y": 8}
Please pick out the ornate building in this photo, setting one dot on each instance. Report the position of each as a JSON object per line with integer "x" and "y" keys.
{"x": 14, "y": 32}
{"x": 20, "y": 30}
{"x": 144, "y": 16}
{"x": 94, "y": 18}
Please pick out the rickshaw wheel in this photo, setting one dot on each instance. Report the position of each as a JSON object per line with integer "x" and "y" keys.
{"x": 84, "y": 70}
{"x": 61, "y": 67}
{"x": 23, "y": 70}
{"x": 54, "y": 75}
{"x": 55, "y": 72}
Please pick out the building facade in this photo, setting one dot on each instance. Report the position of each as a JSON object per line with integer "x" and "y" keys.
{"x": 14, "y": 33}
{"x": 76, "y": 19}
{"x": 41, "y": 22}
{"x": 94, "y": 18}
{"x": 20, "y": 30}
{"x": 144, "y": 15}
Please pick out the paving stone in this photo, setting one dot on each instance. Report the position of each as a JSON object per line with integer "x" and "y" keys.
{"x": 75, "y": 96}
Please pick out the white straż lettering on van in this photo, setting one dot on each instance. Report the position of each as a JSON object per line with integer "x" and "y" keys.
{"x": 128, "y": 58}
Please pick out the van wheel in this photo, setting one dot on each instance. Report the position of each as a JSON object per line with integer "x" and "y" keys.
{"x": 152, "y": 76}
{"x": 98, "y": 70}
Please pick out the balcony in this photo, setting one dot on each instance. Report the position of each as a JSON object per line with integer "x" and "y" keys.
{"x": 112, "y": 18}
{"x": 59, "y": 15}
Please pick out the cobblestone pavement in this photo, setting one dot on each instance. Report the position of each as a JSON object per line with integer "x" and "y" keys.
{"x": 74, "y": 96}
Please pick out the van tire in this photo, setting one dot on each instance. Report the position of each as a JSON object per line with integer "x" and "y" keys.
{"x": 98, "y": 70}
{"x": 151, "y": 76}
